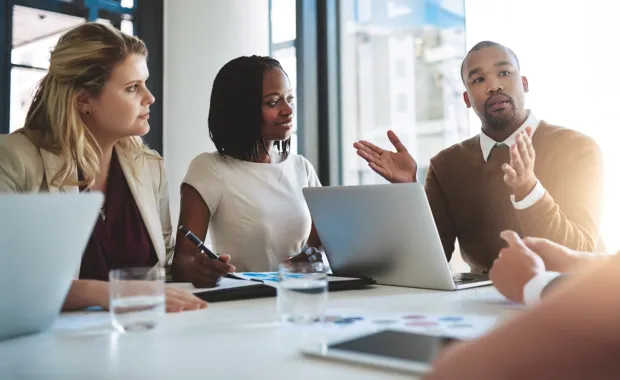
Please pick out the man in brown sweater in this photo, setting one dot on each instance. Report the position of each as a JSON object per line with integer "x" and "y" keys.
{"x": 548, "y": 186}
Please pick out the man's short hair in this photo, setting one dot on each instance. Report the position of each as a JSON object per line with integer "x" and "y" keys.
{"x": 485, "y": 44}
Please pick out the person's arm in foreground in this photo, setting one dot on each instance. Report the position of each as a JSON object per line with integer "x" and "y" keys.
{"x": 528, "y": 269}
{"x": 559, "y": 258}
{"x": 573, "y": 334}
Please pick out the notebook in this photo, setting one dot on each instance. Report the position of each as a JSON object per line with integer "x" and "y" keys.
{"x": 246, "y": 285}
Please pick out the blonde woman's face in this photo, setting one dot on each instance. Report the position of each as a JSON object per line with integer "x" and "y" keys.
{"x": 122, "y": 108}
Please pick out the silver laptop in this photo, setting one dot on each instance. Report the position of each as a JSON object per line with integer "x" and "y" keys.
{"x": 42, "y": 239}
{"x": 386, "y": 232}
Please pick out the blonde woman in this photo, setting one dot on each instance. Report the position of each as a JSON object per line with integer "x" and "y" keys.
{"x": 83, "y": 133}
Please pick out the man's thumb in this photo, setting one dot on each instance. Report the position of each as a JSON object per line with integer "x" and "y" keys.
{"x": 512, "y": 238}
{"x": 396, "y": 142}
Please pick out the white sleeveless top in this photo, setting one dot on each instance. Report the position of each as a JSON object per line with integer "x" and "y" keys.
{"x": 258, "y": 212}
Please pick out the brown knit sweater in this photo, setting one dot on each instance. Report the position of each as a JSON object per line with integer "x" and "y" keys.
{"x": 471, "y": 202}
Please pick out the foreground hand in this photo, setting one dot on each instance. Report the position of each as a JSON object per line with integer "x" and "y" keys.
{"x": 180, "y": 300}
{"x": 206, "y": 272}
{"x": 395, "y": 167}
{"x": 453, "y": 362}
{"x": 515, "y": 266}
{"x": 519, "y": 174}
{"x": 557, "y": 258}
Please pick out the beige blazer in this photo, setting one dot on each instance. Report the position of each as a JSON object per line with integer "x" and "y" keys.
{"x": 26, "y": 168}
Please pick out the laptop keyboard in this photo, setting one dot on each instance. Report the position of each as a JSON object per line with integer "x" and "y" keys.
{"x": 463, "y": 278}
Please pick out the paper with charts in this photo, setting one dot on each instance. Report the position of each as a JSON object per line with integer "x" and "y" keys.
{"x": 271, "y": 278}
{"x": 454, "y": 325}
{"x": 262, "y": 276}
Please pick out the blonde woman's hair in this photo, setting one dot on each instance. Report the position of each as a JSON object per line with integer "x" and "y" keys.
{"x": 82, "y": 60}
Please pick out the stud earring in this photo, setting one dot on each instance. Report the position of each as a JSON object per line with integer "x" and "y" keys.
{"x": 87, "y": 113}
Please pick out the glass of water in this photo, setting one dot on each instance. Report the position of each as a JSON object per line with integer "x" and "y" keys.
{"x": 302, "y": 292}
{"x": 137, "y": 298}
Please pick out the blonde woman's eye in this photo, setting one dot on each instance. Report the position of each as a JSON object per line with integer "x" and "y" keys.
{"x": 133, "y": 88}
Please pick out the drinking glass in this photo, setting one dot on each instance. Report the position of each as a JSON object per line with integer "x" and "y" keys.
{"x": 137, "y": 298}
{"x": 302, "y": 294}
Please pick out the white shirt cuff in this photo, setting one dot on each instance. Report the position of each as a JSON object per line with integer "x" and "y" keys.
{"x": 537, "y": 193}
{"x": 532, "y": 291}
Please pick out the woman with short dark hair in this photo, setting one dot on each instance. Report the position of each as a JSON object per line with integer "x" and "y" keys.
{"x": 249, "y": 192}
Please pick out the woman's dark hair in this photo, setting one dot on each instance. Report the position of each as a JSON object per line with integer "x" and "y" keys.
{"x": 235, "y": 114}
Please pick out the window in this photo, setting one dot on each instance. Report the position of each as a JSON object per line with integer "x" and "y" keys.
{"x": 127, "y": 27}
{"x": 401, "y": 68}
{"x": 402, "y": 103}
{"x": 35, "y": 32}
{"x": 283, "y": 27}
{"x": 400, "y": 63}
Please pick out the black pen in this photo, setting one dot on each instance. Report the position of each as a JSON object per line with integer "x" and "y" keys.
{"x": 194, "y": 239}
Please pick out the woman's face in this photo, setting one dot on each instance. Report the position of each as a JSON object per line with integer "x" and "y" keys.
{"x": 278, "y": 106}
{"x": 122, "y": 108}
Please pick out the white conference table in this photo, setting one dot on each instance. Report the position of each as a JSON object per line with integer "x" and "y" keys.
{"x": 228, "y": 340}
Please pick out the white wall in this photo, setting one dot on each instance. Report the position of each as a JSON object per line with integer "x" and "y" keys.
{"x": 200, "y": 36}
{"x": 569, "y": 52}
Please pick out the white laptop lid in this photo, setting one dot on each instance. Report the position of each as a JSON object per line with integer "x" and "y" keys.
{"x": 386, "y": 232}
{"x": 42, "y": 239}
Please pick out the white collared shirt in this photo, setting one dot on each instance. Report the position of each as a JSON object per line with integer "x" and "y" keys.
{"x": 487, "y": 144}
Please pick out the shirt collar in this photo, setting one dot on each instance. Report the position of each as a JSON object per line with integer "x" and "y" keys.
{"x": 487, "y": 143}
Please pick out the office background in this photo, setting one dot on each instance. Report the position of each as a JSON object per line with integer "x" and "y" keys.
{"x": 359, "y": 67}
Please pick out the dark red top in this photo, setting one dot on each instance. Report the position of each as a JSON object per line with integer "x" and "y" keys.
{"x": 120, "y": 238}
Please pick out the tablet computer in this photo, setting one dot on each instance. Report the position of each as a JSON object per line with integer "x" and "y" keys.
{"x": 399, "y": 350}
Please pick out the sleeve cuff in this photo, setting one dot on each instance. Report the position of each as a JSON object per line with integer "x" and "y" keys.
{"x": 531, "y": 199}
{"x": 533, "y": 290}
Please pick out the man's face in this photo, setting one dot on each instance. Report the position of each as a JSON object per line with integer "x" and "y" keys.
{"x": 495, "y": 87}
